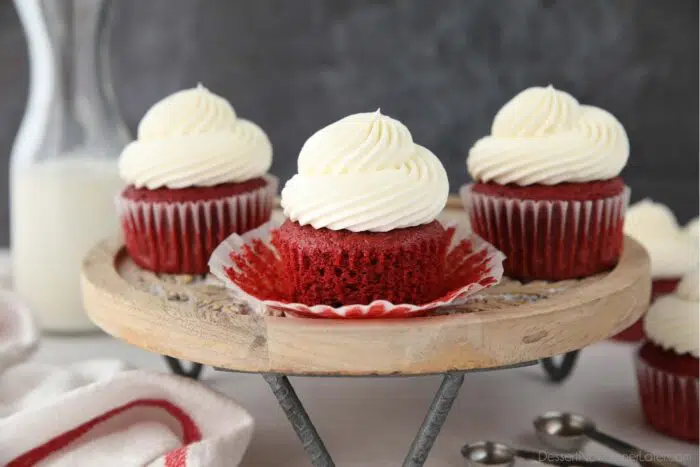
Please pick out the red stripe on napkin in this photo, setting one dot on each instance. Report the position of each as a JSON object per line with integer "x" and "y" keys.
{"x": 177, "y": 457}
{"x": 190, "y": 434}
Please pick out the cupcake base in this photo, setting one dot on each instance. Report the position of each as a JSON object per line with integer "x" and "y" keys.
{"x": 341, "y": 267}
{"x": 252, "y": 267}
{"x": 175, "y": 231}
{"x": 556, "y": 232}
{"x": 635, "y": 333}
{"x": 668, "y": 391}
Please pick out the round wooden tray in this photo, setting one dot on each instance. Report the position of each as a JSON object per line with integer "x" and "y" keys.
{"x": 197, "y": 320}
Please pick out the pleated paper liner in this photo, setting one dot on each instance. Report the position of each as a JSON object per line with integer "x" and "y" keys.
{"x": 179, "y": 237}
{"x": 550, "y": 240}
{"x": 250, "y": 265}
{"x": 669, "y": 401}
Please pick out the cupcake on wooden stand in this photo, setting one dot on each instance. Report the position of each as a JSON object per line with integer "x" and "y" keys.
{"x": 361, "y": 236}
{"x": 673, "y": 251}
{"x": 667, "y": 364}
{"x": 196, "y": 174}
{"x": 361, "y": 216}
{"x": 547, "y": 189}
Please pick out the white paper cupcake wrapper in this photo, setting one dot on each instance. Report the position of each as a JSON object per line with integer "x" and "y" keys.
{"x": 478, "y": 255}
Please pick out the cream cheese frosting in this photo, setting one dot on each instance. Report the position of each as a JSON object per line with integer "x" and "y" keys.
{"x": 692, "y": 230}
{"x": 194, "y": 138}
{"x": 364, "y": 173}
{"x": 673, "y": 321}
{"x": 672, "y": 251}
{"x": 544, "y": 136}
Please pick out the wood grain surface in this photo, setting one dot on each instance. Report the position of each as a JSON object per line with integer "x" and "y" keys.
{"x": 507, "y": 324}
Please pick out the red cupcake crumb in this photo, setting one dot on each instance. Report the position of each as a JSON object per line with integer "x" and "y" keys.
{"x": 561, "y": 192}
{"x": 182, "y": 195}
{"x": 684, "y": 365}
{"x": 342, "y": 268}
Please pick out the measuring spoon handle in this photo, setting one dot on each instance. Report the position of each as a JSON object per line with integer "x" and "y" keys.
{"x": 615, "y": 444}
{"x": 642, "y": 457}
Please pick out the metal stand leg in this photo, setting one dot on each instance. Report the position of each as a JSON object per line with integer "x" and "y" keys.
{"x": 294, "y": 409}
{"x": 434, "y": 419}
{"x": 177, "y": 368}
{"x": 558, "y": 373}
{"x": 313, "y": 444}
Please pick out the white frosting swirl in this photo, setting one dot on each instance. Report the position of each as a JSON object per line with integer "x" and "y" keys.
{"x": 365, "y": 173}
{"x": 544, "y": 136}
{"x": 673, "y": 321}
{"x": 194, "y": 138}
{"x": 692, "y": 229}
{"x": 672, "y": 251}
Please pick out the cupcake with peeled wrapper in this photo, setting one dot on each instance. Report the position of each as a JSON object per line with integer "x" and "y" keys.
{"x": 196, "y": 174}
{"x": 361, "y": 237}
{"x": 667, "y": 364}
{"x": 547, "y": 189}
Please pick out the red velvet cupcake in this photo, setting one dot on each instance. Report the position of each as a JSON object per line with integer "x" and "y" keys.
{"x": 667, "y": 365}
{"x": 195, "y": 175}
{"x": 361, "y": 239}
{"x": 362, "y": 215}
{"x": 548, "y": 192}
{"x": 673, "y": 252}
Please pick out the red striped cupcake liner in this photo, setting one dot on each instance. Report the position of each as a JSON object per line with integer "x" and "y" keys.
{"x": 179, "y": 237}
{"x": 669, "y": 401}
{"x": 548, "y": 239}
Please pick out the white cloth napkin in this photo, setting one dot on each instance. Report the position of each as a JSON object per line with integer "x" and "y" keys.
{"x": 100, "y": 413}
{"x": 18, "y": 332}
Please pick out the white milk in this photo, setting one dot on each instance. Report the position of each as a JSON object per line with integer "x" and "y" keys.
{"x": 60, "y": 209}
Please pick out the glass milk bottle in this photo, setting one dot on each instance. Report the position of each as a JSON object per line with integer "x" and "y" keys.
{"x": 63, "y": 173}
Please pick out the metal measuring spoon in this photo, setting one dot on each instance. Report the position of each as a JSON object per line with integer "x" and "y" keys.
{"x": 569, "y": 432}
{"x": 488, "y": 453}
{"x": 491, "y": 454}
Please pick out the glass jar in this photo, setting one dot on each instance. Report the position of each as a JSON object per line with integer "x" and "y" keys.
{"x": 63, "y": 169}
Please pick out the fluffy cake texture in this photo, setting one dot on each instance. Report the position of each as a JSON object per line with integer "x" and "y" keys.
{"x": 343, "y": 267}
{"x": 191, "y": 194}
{"x": 590, "y": 191}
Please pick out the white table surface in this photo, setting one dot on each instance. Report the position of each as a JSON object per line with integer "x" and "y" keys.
{"x": 371, "y": 422}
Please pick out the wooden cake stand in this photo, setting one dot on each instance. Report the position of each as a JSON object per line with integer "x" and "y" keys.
{"x": 506, "y": 326}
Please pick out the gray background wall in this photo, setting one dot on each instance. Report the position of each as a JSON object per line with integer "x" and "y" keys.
{"x": 443, "y": 67}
